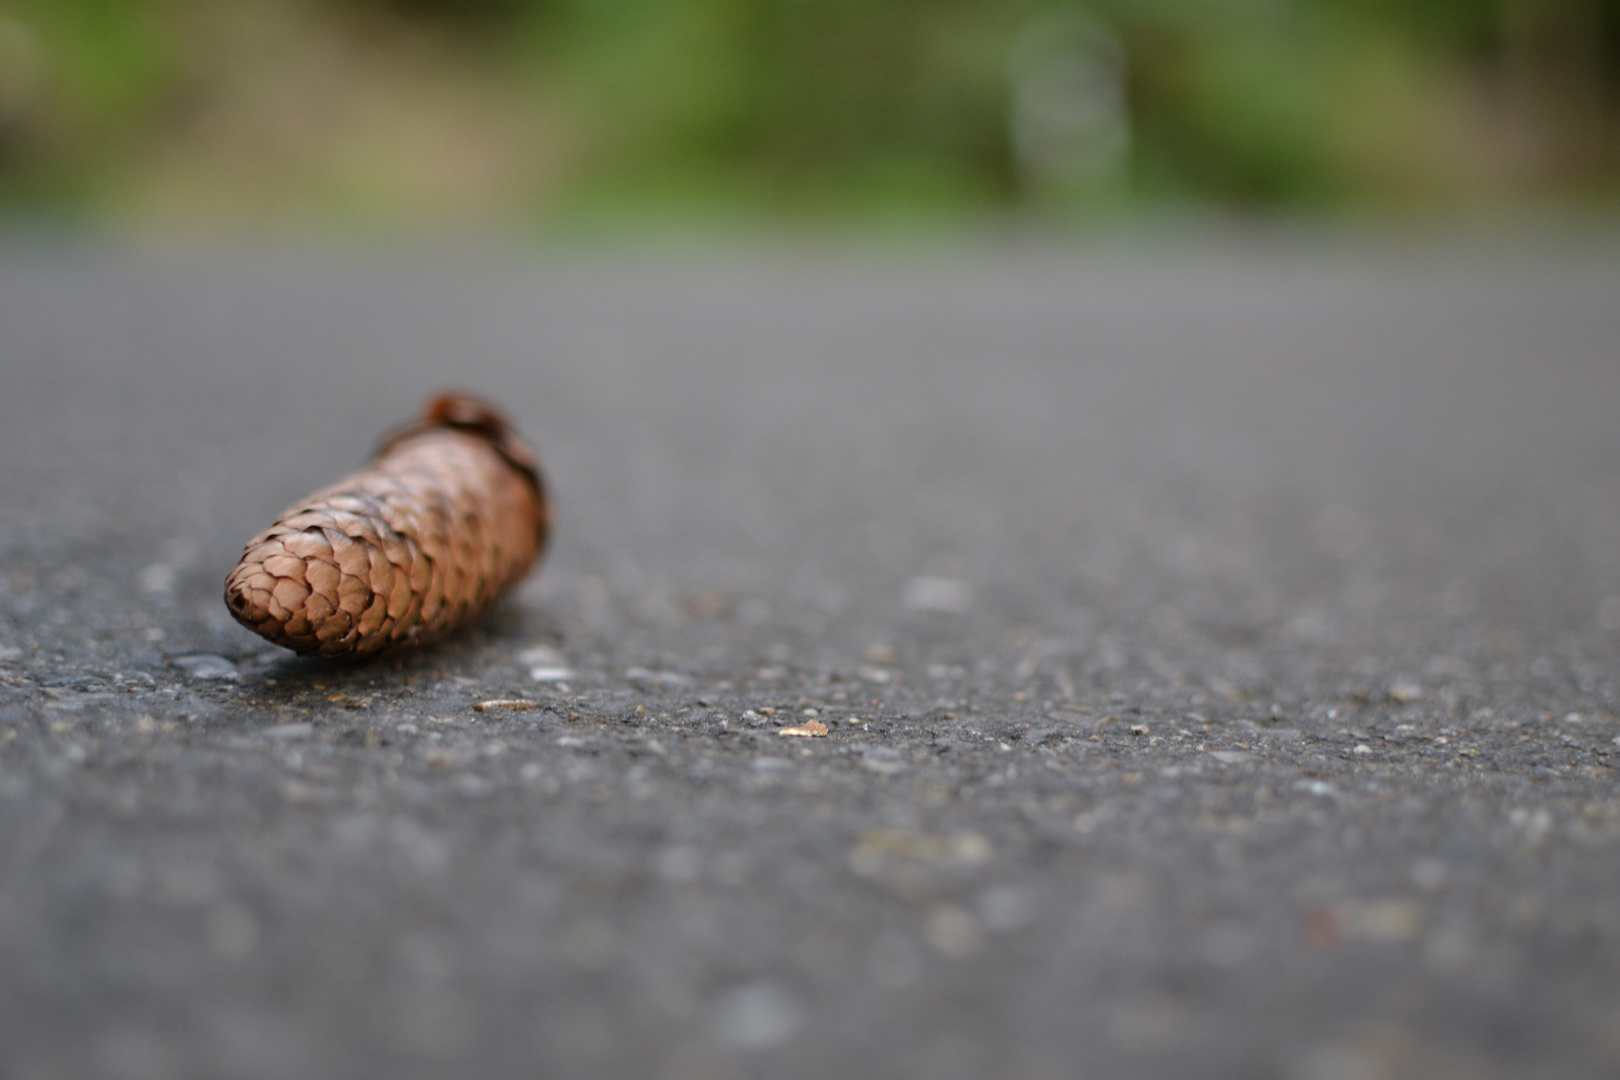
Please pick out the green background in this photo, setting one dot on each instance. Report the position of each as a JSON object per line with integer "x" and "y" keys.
{"x": 522, "y": 112}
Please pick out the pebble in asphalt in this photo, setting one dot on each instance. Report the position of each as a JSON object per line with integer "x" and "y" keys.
{"x": 1216, "y": 647}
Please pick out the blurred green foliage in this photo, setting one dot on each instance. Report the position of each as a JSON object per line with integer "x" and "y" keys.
{"x": 484, "y": 108}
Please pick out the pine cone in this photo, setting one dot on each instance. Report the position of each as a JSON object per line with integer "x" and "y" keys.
{"x": 450, "y": 513}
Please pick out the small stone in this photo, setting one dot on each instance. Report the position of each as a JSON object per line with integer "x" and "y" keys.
{"x": 1226, "y": 944}
{"x": 591, "y": 943}
{"x": 952, "y": 931}
{"x": 813, "y": 729}
{"x": 473, "y": 786}
{"x": 287, "y": 732}
{"x": 666, "y": 679}
{"x": 205, "y": 666}
{"x": 545, "y": 664}
{"x": 538, "y": 655}
{"x": 1005, "y": 909}
{"x": 1337, "y": 1063}
{"x": 1449, "y": 949}
{"x": 1428, "y": 874}
{"x": 894, "y": 961}
{"x": 1321, "y": 928}
{"x": 1087, "y": 821}
{"x": 156, "y": 579}
{"x": 135, "y": 1053}
{"x": 515, "y": 704}
{"x": 883, "y": 762}
{"x": 1387, "y": 922}
{"x": 1405, "y": 690}
{"x": 1143, "y": 1024}
{"x": 680, "y": 865}
{"x": 969, "y": 848}
{"x": 231, "y": 931}
{"x": 941, "y": 594}
{"x": 756, "y": 1016}
{"x": 1535, "y": 823}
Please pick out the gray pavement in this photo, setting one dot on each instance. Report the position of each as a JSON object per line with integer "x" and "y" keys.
{"x": 1219, "y": 648}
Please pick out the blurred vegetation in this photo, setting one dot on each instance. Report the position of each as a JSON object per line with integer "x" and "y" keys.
{"x": 186, "y": 111}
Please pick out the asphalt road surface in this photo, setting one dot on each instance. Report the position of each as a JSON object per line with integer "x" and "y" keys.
{"x": 1218, "y": 646}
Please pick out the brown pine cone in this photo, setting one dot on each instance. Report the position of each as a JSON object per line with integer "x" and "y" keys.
{"x": 450, "y": 513}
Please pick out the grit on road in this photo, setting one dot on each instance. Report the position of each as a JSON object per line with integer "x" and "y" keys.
{"x": 1218, "y": 651}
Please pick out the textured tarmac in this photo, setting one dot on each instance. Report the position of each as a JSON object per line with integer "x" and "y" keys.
{"x": 1218, "y": 649}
